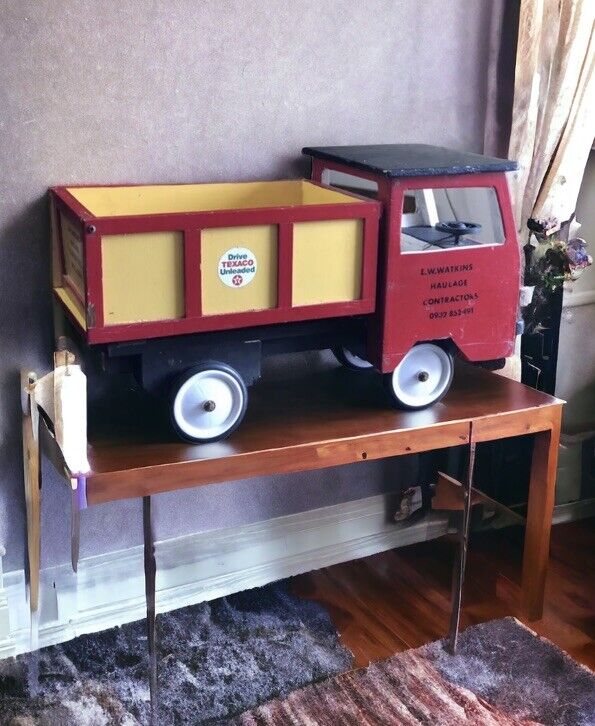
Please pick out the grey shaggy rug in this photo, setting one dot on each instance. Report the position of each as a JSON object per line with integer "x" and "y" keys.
{"x": 219, "y": 660}
{"x": 508, "y": 665}
{"x": 215, "y": 660}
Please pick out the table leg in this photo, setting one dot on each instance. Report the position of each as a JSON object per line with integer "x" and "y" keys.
{"x": 542, "y": 489}
{"x": 150, "y": 572}
{"x": 75, "y": 528}
{"x": 458, "y": 578}
{"x": 32, "y": 481}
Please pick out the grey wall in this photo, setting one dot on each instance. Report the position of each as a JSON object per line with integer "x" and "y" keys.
{"x": 180, "y": 90}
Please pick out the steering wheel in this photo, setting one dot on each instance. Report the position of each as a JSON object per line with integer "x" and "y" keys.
{"x": 458, "y": 229}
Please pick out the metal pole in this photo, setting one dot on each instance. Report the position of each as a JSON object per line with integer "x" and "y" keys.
{"x": 150, "y": 572}
{"x": 75, "y": 529}
{"x": 461, "y": 559}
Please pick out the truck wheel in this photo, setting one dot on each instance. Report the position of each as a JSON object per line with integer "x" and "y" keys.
{"x": 350, "y": 360}
{"x": 208, "y": 402}
{"x": 421, "y": 378}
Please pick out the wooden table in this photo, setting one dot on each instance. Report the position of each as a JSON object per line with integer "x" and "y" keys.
{"x": 336, "y": 417}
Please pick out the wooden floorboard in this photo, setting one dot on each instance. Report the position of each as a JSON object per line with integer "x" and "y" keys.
{"x": 400, "y": 599}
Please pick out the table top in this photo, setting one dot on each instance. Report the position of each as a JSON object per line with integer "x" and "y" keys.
{"x": 331, "y": 418}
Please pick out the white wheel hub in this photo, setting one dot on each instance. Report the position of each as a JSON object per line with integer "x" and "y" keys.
{"x": 422, "y": 376}
{"x": 355, "y": 361}
{"x": 208, "y": 404}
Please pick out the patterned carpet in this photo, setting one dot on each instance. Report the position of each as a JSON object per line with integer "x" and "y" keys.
{"x": 502, "y": 675}
{"x": 219, "y": 659}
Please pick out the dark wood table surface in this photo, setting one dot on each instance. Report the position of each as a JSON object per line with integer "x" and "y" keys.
{"x": 330, "y": 418}
{"x": 334, "y": 417}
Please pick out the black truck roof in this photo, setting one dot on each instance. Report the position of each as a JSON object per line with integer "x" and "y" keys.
{"x": 403, "y": 160}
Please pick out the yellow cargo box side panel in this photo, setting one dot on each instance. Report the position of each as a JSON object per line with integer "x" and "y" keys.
{"x": 327, "y": 261}
{"x": 238, "y": 269}
{"x": 168, "y": 198}
{"x": 143, "y": 277}
{"x": 73, "y": 305}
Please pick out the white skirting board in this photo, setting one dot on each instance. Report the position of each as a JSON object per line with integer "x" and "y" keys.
{"x": 109, "y": 589}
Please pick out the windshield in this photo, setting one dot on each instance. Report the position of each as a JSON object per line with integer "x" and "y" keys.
{"x": 449, "y": 218}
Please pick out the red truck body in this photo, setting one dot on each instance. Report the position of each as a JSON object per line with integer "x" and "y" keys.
{"x": 395, "y": 256}
{"x": 468, "y": 295}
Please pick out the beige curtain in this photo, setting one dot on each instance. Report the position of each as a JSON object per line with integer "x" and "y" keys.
{"x": 553, "y": 120}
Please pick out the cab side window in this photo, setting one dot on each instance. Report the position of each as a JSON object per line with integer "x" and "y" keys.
{"x": 350, "y": 183}
{"x": 450, "y": 218}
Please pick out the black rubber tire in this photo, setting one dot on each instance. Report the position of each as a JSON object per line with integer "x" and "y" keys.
{"x": 398, "y": 403}
{"x": 339, "y": 353}
{"x": 188, "y": 373}
{"x": 492, "y": 365}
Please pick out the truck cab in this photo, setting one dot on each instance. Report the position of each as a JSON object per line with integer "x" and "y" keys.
{"x": 449, "y": 260}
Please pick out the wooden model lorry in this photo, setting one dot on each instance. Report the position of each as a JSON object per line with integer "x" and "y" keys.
{"x": 396, "y": 256}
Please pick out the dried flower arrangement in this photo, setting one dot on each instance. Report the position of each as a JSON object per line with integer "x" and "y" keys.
{"x": 551, "y": 259}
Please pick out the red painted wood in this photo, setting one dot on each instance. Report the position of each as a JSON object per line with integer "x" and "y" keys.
{"x": 190, "y": 224}
{"x": 192, "y": 273}
{"x": 54, "y": 201}
{"x": 487, "y": 332}
{"x": 369, "y": 259}
{"x": 184, "y": 326}
{"x": 405, "y": 314}
{"x": 72, "y": 204}
{"x": 376, "y": 327}
{"x": 233, "y": 218}
{"x": 285, "y": 266}
{"x": 492, "y": 276}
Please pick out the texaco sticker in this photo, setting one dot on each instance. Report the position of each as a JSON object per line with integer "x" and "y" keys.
{"x": 237, "y": 267}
